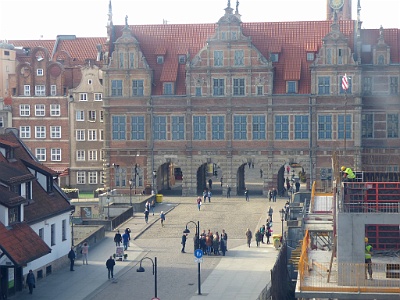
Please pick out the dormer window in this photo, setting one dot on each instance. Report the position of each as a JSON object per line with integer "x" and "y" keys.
{"x": 274, "y": 57}
{"x": 310, "y": 56}
{"x": 13, "y": 215}
{"x": 160, "y": 59}
{"x": 182, "y": 59}
{"x": 291, "y": 87}
{"x": 168, "y": 88}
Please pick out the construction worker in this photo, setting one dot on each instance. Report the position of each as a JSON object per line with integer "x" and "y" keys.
{"x": 348, "y": 174}
{"x": 368, "y": 259}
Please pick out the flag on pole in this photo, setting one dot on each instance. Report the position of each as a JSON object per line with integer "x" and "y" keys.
{"x": 345, "y": 83}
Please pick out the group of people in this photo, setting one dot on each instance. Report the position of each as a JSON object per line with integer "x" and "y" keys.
{"x": 209, "y": 242}
{"x": 124, "y": 238}
{"x": 264, "y": 230}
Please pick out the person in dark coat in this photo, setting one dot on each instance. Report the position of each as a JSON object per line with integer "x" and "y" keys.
{"x": 71, "y": 256}
{"x": 146, "y": 215}
{"x": 118, "y": 239}
{"x": 110, "y": 263}
{"x": 183, "y": 242}
{"x": 30, "y": 281}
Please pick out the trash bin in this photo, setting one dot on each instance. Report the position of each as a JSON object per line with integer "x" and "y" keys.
{"x": 277, "y": 240}
{"x": 159, "y": 198}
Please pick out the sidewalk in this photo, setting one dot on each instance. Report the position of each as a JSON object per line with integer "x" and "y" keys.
{"x": 243, "y": 274}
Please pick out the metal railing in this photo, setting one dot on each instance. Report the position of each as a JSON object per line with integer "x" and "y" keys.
{"x": 371, "y": 208}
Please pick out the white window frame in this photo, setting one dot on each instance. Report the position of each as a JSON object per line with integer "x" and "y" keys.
{"x": 80, "y": 155}
{"x": 80, "y": 135}
{"x": 40, "y": 110}
{"x": 24, "y": 110}
{"x": 40, "y": 90}
{"x": 92, "y": 177}
{"x": 39, "y": 72}
{"x": 83, "y": 97}
{"x": 81, "y": 177}
{"x": 27, "y": 90}
{"x": 25, "y": 132}
{"x": 40, "y": 132}
{"x": 101, "y": 115}
{"x": 55, "y": 110}
{"x": 98, "y": 97}
{"x": 53, "y": 90}
{"x": 92, "y": 155}
{"x": 55, "y": 154}
{"x": 92, "y": 135}
{"x": 101, "y": 135}
{"x": 80, "y": 115}
{"x": 55, "y": 132}
{"x": 91, "y": 115}
{"x": 40, "y": 154}
{"x": 1, "y": 122}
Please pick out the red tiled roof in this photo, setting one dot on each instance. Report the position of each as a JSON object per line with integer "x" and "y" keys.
{"x": 47, "y": 44}
{"x": 21, "y": 243}
{"x": 10, "y": 199}
{"x": 81, "y": 48}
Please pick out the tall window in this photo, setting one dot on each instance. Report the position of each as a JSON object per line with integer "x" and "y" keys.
{"x": 83, "y": 97}
{"x": 25, "y": 132}
{"x": 340, "y": 56}
{"x": 367, "y": 126}
{"x": 178, "y": 127}
{"x": 91, "y": 115}
{"x": 137, "y": 128}
{"x": 92, "y": 175}
{"x": 240, "y": 128}
{"x": 80, "y": 115}
{"x": 367, "y": 86}
{"x": 121, "y": 60}
{"x": 301, "y": 127}
{"x": 40, "y": 110}
{"x": 324, "y": 127}
{"x": 198, "y": 91}
{"x": 64, "y": 230}
{"x": 24, "y": 110}
{"x": 80, "y": 135}
{"x": 92, "y": 135}
{"x": 40, "y": 154}
{"x": 53, "y": 90}
{"x": 137, "y": 87}
{"x": 55, "y": 154}
{"x": 55, "y": 110}
{"x": 167, "y": 88}
{"x": 239, "y": 57}
{"x": 328, "y": 56}
{"x": 218, "y": 87}
{"x": 392, "y": 125}
{"x": 116, "y": 88}
{"x": 131, "y": 60}
{"x": 259, "y": 127}
{"x": 92, "y": 154}
{"x": 218, "y": 58}
{"x": 80, "y": 177}
{"x": 53, "y": 234}
{"x": 238, "y": 86}
{"x": 27, "y": 90}
{"x": 394, "y": 85}
{"x": 118, "y": 128}
{"x": 55, "y": 132}
{"x": 160, "y": 128}
{"x": 342, "y": 123}
{"x": 218, "y": 127}
{"x": 282, "y": 127}
{"x": 199, "y": 128}
{"x": 80, "y": 155}
{"x": 98, "y": 96}
{"x": 323, "y": 85}
{"x": 291, "y": 87}
{"x": 13, "y": 215}
{"x": 40, "y": 132}
{"x": 260, "y": 90}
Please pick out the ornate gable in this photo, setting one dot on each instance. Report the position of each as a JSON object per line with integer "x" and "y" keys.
{"x": 381, "y": 51}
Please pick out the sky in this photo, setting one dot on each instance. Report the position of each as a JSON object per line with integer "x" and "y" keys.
{"x": 45, "y": 19}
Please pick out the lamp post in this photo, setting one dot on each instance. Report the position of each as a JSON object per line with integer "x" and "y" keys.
{"x": 141, "y": 269}
{"x": 108, "y": 204}
{"x": 282, "y": 212}
{"x": 130, "y": 192}
{"x": 154, "y": 177}
{"x": 198, "y": 245}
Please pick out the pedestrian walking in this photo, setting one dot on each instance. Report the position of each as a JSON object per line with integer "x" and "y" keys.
{"x": 71, "y": 256}
{"x": 210, "y": 183}
{"x": 110, "y": 263}
{"x": 125, "y": 240}
{"x": 147, "y": 206}
{"x": 128, "y": 232}
{"x": 153, "y": 205}
{"x": 268, "y": 233}
{"x": 270, "y": 195}
{"x": 209, "y": 194}
{"x": 270, "y": 212}
{"x": 274, "y": 194}
{"x": 246, "y": 194}
{"x": 85, "y": 252}
{"x": 118, "y": 239}
{"x": 228, "y": 191}
{"x": 249, "y": 235}
{"x": 262, "y": 231}
{"x": 258, "y": 238}
{"x": 146, "y": 215}
{"x": 198, "y": 202}
{"x": 30, "y": 281}
{"x": 183, "y": 242}
{"x": 162, "y": 218}
{"x": 297, "y": 186}
{"x": 204, "y": 196}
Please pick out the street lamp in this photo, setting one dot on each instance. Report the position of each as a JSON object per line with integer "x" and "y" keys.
{"x": 130, "y": 191}
{"x": 198, "y": 245}
{"x": 108, "y": 202}
{"x": 282, "y": 212}
{"x": 154, "y": 177}
{"x": 141, "y": 269}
